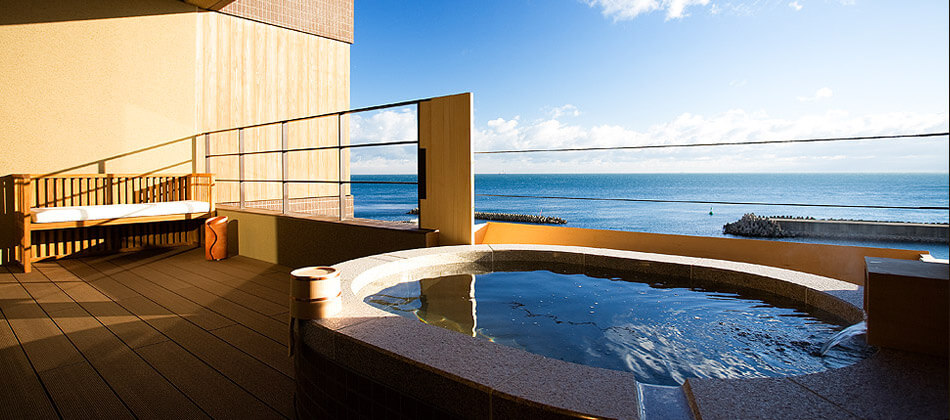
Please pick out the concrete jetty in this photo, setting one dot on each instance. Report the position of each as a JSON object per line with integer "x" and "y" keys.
{"x": 868, "y": 230}
{"x": 751, "y": 225}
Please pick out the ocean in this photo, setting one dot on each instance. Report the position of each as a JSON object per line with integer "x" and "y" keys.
{"x": 391, "y": 202}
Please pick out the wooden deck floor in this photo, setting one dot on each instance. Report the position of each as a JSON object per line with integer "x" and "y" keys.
{"x": 151, "y": 334}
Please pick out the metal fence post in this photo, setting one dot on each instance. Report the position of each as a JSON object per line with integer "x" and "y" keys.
{"x": 207, "y": 153}
{"x": 339, "y": 143}
{"x": 420, "y": 165}
{"x": 285, "y": 188}
{"x": 241, "y": 168}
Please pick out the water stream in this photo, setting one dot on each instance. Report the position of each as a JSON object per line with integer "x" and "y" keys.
{"x": 852, "y": 331}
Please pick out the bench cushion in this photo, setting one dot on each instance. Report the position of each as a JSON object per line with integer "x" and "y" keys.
{"x": 117, "y": 211}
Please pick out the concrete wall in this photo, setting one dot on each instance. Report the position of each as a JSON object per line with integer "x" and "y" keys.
{"x": 295, "y": 241}
{"x": 881, "y": 231}
{"x": 840, "y": 262}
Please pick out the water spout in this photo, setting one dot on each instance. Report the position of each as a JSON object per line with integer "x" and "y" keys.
{"x": 852, "y": 331}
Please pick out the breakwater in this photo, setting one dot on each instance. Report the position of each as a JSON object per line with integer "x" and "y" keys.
{"x": 876, "y": 231}
{"x": 751, "y": 225}
{"x": 512, "y": 217}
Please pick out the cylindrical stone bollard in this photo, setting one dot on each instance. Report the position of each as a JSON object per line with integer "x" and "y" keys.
{"x": 314, "y": 294}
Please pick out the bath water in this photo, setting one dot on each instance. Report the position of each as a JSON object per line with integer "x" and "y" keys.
{"x": 662, "y": 330}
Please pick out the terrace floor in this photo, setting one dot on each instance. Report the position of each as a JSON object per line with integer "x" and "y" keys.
{"x": 158, "y": 333}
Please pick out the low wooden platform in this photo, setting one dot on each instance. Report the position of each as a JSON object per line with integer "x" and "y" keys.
{"x": 149, "y": 334}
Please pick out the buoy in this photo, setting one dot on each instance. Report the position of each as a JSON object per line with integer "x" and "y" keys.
{"x": 710, "y": 211}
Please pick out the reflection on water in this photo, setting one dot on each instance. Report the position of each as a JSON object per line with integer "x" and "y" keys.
{"x": 663, "y": 332}
{"x": 447, "y": 302}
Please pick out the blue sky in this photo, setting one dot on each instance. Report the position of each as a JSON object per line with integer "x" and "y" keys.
{"x": 570, "y": 73}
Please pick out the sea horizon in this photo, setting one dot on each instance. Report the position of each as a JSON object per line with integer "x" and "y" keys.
{"x": 680, "y": 173}
{"x": 703, "y": 173}
{"x": 667, "y": 200}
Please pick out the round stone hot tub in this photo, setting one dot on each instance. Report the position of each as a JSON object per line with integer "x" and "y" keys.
{"x": 368, "y": 362}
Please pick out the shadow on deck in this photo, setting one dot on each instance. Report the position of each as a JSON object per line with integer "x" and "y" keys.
{"x": 158, "y": 333}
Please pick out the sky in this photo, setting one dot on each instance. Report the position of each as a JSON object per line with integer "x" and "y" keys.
{"x": 594, "y": 73}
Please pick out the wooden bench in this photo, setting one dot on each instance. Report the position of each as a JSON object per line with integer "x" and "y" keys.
{"x": 74, "y": 211}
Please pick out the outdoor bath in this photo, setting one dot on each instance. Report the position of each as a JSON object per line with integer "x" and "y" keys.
{"x": 372, "y": 361}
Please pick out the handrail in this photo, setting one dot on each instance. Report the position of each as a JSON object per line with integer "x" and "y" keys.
{"x": 747, "y": 203}
{"x": 339, "y": 113}
{"x": 284, "y": 150}
{"x": 730, "y": 143}
{"x": 310, "y": 149}
{"x": 318, "y": 181}
{"x": 421, "y": 175}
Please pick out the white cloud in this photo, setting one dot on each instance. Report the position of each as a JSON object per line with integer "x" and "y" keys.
{"x": 567, "y": 110}
{"x": 731, "y": 126}
{"x": 391, "y": 125}
{"x": 383, "y": 126}
{"x": 823, "y": 93}
{"x": 502, "y": 126}
{"x": 676, "y": 9}
{"x": 630, "y": 9}
{"x": 738, "y": 8}
{"x": 738, "y": 83}
{"x": 383, "y": 165}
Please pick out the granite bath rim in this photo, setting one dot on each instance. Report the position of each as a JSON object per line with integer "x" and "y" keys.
{"x": 472, "y": 377}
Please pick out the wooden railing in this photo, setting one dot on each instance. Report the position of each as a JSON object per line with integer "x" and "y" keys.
{"x": 103, "y": 189}
{"x": 45, "y": 240}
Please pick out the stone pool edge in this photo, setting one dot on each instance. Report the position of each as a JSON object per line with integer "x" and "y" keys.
{"x": 471, "y": 377}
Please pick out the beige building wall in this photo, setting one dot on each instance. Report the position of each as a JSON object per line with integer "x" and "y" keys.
{"x": 124, "y": 86}
{"x": 331, "y": 19}
{"x": 97, "y": 86}
{"x": 250, "y": 73}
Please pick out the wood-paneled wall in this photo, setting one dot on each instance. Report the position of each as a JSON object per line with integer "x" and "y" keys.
{"x": 252, "y": 73}
{"x": 445, "y": 132}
